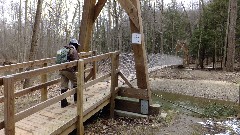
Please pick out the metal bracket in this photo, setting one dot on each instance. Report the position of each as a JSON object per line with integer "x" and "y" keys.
{"x": 144, "y": 106}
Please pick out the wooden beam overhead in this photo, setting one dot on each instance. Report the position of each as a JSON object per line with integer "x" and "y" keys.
{"x": 86, "y": 27}
{"x": 131, "y": 10}
{"x": 98, "y": 8}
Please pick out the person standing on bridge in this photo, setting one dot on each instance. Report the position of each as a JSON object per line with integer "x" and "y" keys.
{"x": 69, "y": 74}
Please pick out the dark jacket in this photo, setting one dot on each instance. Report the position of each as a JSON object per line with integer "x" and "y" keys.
{"x": 72, "y": 55}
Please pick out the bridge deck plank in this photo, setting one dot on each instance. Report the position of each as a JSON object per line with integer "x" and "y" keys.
{"x": 51, "y": 118}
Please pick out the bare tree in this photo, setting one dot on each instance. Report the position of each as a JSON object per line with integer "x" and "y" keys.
{"x": 34, "y": 42}
{"x": 230, "y": 36}
{"x": 25, "y": 30}
{"x": 161, "y": 28}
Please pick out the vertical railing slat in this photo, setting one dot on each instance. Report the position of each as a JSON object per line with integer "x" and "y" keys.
{"x": 9, "y": 105}
{"x": 80, "y": 87}
{"x": 114, "y": 81}
{"x": 94, "y": 66}
{"x": 44, "y": 89}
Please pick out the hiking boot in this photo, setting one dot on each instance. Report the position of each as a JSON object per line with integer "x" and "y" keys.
{"x": 64, "y": 102}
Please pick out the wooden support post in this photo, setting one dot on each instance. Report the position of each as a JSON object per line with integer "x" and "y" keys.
{"x": 114, "y": 80}
{"x": 94, "y": 66}
{"x": 44, "y": 89}
{"x": 140, "y": 54}
{"x": 131, "y": 10}
{"x": 86, "y": 25}
{"x": 80, "y": 88}
{"x": 9, "y": 113}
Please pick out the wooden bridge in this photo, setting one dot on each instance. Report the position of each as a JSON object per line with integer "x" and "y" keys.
{"x": 47, "y": 117}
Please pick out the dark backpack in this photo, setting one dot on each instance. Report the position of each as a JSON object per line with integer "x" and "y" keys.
{"x": 62, "y": 55}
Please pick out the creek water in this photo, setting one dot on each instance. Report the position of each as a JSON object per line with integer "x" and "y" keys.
{"x": 219, "y": 117}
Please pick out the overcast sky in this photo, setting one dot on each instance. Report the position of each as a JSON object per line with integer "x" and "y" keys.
{"x": 6, "y": 3}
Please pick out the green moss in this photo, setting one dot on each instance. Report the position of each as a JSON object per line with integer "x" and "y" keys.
{"x": 215, "y": 110}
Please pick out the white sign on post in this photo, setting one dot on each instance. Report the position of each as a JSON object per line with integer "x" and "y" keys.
{"x": 136, "y": 38}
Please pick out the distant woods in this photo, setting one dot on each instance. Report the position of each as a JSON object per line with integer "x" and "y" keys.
{"x": 209, "y": 29}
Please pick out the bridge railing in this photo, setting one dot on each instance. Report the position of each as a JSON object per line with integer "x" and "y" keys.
{"x": 18, "y": 67}
{"x": 39, "y": 64}
{"x": 10, "y": 117}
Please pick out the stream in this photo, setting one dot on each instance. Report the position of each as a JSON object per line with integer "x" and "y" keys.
{"x": 219, "y": 117}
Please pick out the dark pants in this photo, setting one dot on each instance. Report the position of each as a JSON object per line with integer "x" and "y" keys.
{"x": 67, "y": 76}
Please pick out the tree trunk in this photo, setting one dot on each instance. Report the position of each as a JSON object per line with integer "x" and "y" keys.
{"x": 34, "y": 41}
{"x": 20, "y": 47}
{"x": 161, "y": 29}
{"x": 120, "y": 33}
{"x": 200, "y": 48}
{"x": 230, "y": 36}
{"x": 153, "y": 29}
{"x": 109, "y": 26}
{"x": 25, "y": 31}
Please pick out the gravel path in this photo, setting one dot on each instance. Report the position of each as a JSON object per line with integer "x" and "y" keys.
{"x": 181, "y": 125}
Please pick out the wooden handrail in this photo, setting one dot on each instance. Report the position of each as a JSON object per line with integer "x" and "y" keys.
{"x": 31, "y": 73}
{"x": 25, "y": 64}
{"x": 83, "y": 54}
{"x": 37, "y": 87}
{"x": 96, "y": 58}
{"x": 90, "y": 83}
{"x": 35, "y": 62}
{"x": 32, "y": 89}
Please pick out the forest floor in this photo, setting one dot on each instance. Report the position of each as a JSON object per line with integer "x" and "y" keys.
{"x": 195, "y": 83}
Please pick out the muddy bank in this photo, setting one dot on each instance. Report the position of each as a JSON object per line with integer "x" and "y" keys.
{"x": 197, "y": 88}
{"x": 207, "y": 84}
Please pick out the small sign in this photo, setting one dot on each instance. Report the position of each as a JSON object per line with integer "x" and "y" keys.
{"x": 136, "y": 38}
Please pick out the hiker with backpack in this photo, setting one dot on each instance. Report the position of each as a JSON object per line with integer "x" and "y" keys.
{"x": 66, "y": 54}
